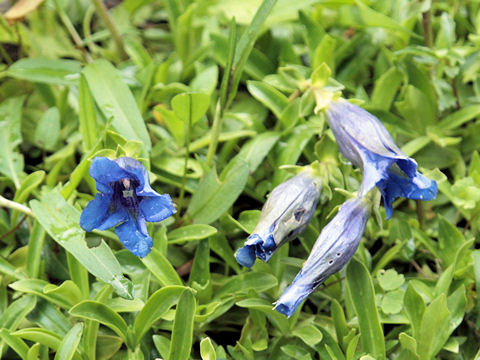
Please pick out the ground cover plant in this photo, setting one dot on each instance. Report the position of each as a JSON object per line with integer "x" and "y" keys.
{"x": 140, "y": 139}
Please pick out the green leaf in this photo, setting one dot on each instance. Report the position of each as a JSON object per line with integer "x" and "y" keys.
{"x": 363, "y": 296}
{"x": 47, "y": 132}
{"x": 61, "y": 221}
{"x": 155, "y": 307}
{"x": 390, "y": 279}
{"x": 415, "y": 308}
{"x": 360, "y": 15}
{"x": 47, "y": 291}
{"x": 116, "y": 101}
{"x": 182, "y": 333}
{"x": 17, "y": 344}
{"x": 48, "y": 71}
{"x": 11, "y": 162}
{"x": 436, "y": 317}
{"x": 215, "y": 195}
{"x": 30, "y": 183}
{"x": 386, "y": 88}
{"x": 87, "y": 115}
{"x": 324, "y": 54}
{"x": 190, "y": 233}
{"x": 207, "y": 351}
{"x": 246, "y": 43}
{"x": 392, "y": 302}
{"x": 70, "y": 343}
{"x": 268, "y": 96}
{"x": 42, "y": 336}
{"x": 255, "y": 150}
{"x": 459, "y": 117}
{"x": 161, "y": 268}
{"x": 257, "y": 281}
{"x": 309, "y": 334}
{"x": 416, "y": 109}
{"x": 200, "y": 278}
{"x": 102, "y": 313}
{"x": 190, "y": 107}
{"x": 16, "y": 312}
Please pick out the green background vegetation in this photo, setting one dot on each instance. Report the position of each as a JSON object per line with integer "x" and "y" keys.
{"x": 214, "y": 106}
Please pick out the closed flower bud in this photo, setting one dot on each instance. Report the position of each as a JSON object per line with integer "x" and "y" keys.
{"x": 336, "y": 244}
{"x": 286, "y": 213}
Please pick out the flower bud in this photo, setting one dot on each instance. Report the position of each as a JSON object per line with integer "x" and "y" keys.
{"x": 285, "y": 215}
{"x": 336, "y": 244}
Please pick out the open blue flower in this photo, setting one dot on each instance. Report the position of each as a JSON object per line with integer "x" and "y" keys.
{"x": 286, "y": 213}
{"x": 125, "y": 199}
{"x": 336, "y": 244}
{"x": 363, "y": 140}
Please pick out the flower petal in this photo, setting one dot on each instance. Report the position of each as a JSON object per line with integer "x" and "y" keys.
{"x": 95, "y": 212}
{"x": 134, "y": 237}
{"x": 136, "y": 170}
{"x": 336, "y": 244}
{"x": 157, "y": 208}
{"x": 417, "y": 188}
{"x": 115, "y": 218}
{"x": 105, "y": 171}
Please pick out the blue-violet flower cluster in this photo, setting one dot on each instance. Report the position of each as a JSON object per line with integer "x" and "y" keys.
{"x": 363, "y": 140}
{"x": 125, "y": 199}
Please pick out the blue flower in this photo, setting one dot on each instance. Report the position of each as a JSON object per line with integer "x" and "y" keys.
{"x": 336, "y": 244}
{"x": 286, "y": 213}
{"x": 125, "y": 199}
{"x": 363, "y": 140}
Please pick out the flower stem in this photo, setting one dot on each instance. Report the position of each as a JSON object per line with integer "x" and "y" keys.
{"x": 216, "y": 128}
{"x": 117, "y": 37}
{"x": 185, "y": 166}
{"x": 427, "y": 28}
{"x": 16, "y": 206}
{"x": 73, "y": 32}
{"x": 420, "y": 213}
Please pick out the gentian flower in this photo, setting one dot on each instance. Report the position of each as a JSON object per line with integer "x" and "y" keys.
{"x": 336, "y": 244}
{"x": 286, "y": 213}
{"x": 125, "y": 199}
{"x": 363, "y": 140}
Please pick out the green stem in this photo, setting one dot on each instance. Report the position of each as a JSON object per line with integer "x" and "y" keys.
{"x": 427, "y": 28}
{"x": 16, "y": 206}
{"x": 216, "y": 128}
{"x": 117, "y": 37}
{"x": 185, "y": 165}
{"x": 73, "y": 32}
{"x": 420, "y": 213}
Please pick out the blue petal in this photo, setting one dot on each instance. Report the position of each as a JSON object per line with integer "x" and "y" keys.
{"x": 136, "y": 170}
{"x": 417, "y": 188}
{"x": 157, "y": 208}
{"x": 292, "y": 298}
{"x": 254, "y": 247}
{"x": 245, "y": 256}
{"x": 115, "y": 218}
{"x": 106, "y": 171}
{"x": 133, "y": 236}
{"x": 95, "y": 212}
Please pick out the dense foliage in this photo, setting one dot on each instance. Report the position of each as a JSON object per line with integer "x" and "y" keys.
{"x": 219, "y": 101}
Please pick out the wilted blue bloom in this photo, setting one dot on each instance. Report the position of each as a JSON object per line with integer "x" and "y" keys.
{"x": 286, "y": 213}
{"x": 125, "y": 199}
{"x": 363, "y": 140}
{"x": 336, "y": 244}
